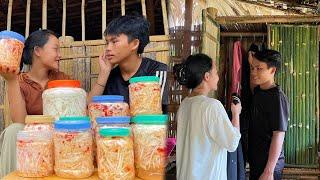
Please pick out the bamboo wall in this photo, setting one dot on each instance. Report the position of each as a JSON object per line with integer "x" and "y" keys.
{"x": 299, "y": 79}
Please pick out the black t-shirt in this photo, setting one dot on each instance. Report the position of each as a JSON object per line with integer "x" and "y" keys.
{"x": 116, "y": 85}
{"x": 269, "y": 112}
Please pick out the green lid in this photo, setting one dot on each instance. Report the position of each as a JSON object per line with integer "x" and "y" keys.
{"x": 112, "y": 132}
{"x": 144, "y": 79}
{"x": 150, "y": 119}
{"x": 74, "y": 118}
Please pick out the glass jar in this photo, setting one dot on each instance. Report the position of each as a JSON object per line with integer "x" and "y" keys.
{"x": 11, "y": 48}
{"x": 145, "y": 95}
{"x": 115, "y": 154}
{"x": 64, "y": 98}
{"x": 149, "y": 132}
{"x": 108, "y": 105}
{"x": 73, "y": 148}
{"x": 34, "y": 154}
{"x": 39, "y": 123}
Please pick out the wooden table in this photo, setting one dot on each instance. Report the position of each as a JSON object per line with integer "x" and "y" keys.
{"x": 14, "y": 176}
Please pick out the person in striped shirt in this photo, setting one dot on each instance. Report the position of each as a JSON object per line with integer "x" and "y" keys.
{"x": 126, "y": 38}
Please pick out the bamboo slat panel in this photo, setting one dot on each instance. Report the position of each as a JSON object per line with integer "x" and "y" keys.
{"x": 298, "y": 78}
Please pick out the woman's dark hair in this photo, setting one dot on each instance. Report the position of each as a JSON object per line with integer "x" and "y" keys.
{"x": 271, "y": 57}
{"x": 192, "y": 71}
{"x": 36, "y": 39}
{"x": 135, "y": 27}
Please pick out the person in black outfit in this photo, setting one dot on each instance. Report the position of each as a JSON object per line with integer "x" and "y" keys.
{"x": 269, "y": 118}
{"x": 126, "y": 38}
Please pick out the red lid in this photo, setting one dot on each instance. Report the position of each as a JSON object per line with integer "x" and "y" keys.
{"x": 64, "y": 83}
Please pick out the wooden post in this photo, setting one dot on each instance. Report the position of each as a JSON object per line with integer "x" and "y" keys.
{"x": 83, "y": 21}
{"x": 123, "y": 7}
{"x": 187, "y": 29}
{"x": 104, "y": 16}
{"x": 165, "y": 17}
{"x": 64, "y": 14}
{"x": 144, "y": 11}
{"x": 44, "y": 14}
{"x": 9, "y": 15}
{"x": 28, "y": 18}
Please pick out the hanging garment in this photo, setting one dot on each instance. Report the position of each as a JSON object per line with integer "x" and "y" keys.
{"x": 235, "y": 161}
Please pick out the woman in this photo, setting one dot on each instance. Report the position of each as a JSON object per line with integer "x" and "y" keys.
{"x": 204, "y": 131}
{"x": 42, "y": 52}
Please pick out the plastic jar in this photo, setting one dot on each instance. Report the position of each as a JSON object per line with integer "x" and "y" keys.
{"x": 73, "y": 148}
{"x": 149, "y": 132}
{"x": 112, "y": 122}
{"x": 64, "y": 98}
{"x": 34, "y": 154}
{"x": 145, "y": 95}
{"x": 11, "y": 48}
{"x": 39, "y": 123}
{"x": 115, "y": 154}
{"x": 108, "y": 105}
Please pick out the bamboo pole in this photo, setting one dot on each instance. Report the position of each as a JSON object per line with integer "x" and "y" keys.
{"x": 313, "y": 52}
{"x": 104, "y": 16}
{"x": 143, "y": 5}
{"x": 165, "y": 17}
{"x": 83, "y": 21}
{"x": 9, "y": 15}
{"x": 302, "y": 95}
{"x": 64, "y": 14}
{"x": 317, "y": 113}
{"x": 299, "y": 79}
{"x": 307, "y": 97}
{"x": 44, "y": 14}
{"x": 123, "y": 7}
{"x": 27, "y": 18}
{"x": 292, "y": 151}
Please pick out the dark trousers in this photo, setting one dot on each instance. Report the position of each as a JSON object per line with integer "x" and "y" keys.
{"x": 235, "y": 165}
{"x": 256, "y": 171}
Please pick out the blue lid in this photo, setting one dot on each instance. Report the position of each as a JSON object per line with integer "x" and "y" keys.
{"x": 72, "y": 125}
{"x": 113, "y": 120}
{"x": 108, "y": 98}
{"x": 11, "y": 34}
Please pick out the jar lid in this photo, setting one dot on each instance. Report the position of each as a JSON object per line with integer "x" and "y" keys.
{"x": 113, "y": 120}
{"x": 144, "y": 79}
{"x": 72, "y": 125}
{"x": 108, "y": 98}
{"x": 74, "y": 118}
{"x": 30, "y": 119}
{"x": 150, "y": 119}
{"x": 30, "y": 135}
{"x": 64, "y": 83}
{"x": 112, "y": 132}
{"x": 12, "y": 34}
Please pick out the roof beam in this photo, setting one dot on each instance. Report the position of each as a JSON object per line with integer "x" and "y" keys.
{"x": 268, "y": 19}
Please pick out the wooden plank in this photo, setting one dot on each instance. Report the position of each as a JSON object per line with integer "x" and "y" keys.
{"x": 44, "y": 14}
{"x": 9, "y": 15}
{"x": 64, "y": 14}
{"x": 123, "y": 7}
{"x": 143, "y": 5}
{"x": 83, "y": 21}
{"x": 243, "y": 34}
{"x": 27, "y": 31}
{"x": 268, "y": 19}
{"x": 165, "y": 17}
{"x": 104, "y": 17}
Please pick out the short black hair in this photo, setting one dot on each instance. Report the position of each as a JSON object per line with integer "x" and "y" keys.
{"x": 135, "y": 27}
{"x": 36, "y": 39}
{"x": 271, "y": 57}
{"x": 192, "y": 71}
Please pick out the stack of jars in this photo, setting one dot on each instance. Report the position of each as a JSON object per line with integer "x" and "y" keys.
{"x": 110, "y": 119}
{"x": 149, "y": 127}
{"x": 35, "y": 147}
